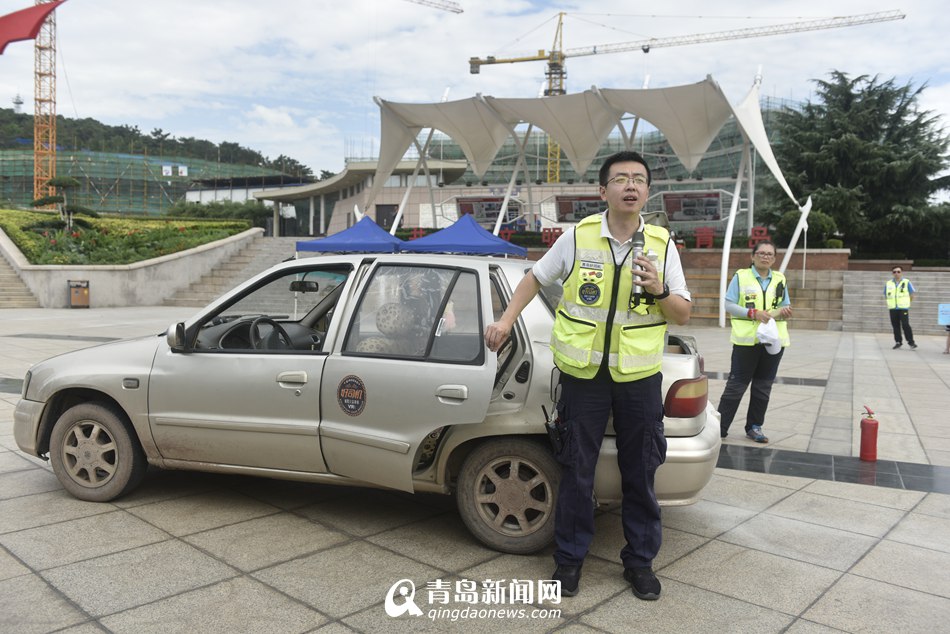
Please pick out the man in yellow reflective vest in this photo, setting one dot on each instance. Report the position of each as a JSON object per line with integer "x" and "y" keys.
{"x": 608, "y": 341}
{"x": 899, "y": 292}
{"x": 756, "y": 295}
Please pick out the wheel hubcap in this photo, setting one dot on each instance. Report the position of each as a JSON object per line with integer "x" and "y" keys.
{"x": 89, "y": 454}
{"x": 513, "y": 496}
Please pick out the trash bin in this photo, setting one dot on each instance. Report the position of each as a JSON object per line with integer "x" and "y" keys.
{"x": 78, "y": 293}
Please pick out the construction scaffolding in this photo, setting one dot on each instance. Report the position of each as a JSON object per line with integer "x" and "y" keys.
{"x": 127, "y": 183}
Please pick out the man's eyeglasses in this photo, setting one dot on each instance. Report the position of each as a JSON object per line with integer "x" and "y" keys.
{"x": 896, "y": 272}
{"x": 622, "y": 180}
{"x": 767, "y": 256}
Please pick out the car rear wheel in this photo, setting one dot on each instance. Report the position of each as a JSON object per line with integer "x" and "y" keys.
{"x": 506, "y": 493}
{"x": 94, "y": 454}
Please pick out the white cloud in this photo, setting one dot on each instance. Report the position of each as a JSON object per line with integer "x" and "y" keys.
{"x": 297, "y": 77}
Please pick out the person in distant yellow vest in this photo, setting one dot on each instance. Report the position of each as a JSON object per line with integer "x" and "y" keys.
{"x": 756, "y": 295}
{"x": 607, "y": 341}
{"x": 899, "y": 292}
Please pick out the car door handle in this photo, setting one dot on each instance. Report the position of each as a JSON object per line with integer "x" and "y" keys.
{"x": 292, "y": 378}
{"x": 452, "y": 392}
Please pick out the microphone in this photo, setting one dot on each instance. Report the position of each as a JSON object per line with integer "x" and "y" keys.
{"x": 638, "y": 244}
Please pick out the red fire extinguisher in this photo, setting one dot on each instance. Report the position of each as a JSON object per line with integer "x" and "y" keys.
{"x": 868, "y": 436}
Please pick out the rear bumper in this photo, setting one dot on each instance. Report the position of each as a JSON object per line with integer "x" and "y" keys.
{"x": 689, "y": 466}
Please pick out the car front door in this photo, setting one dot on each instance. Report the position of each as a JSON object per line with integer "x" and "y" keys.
{"x": 412, "y": 362}
{"x": 248, "y": 393}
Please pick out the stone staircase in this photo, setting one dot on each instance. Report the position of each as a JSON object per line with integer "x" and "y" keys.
{"x": 13, "y": 292}
{"x": 259, "y": 255}
{"x": 866, "y": 310}
{"x": 818, "y": 306}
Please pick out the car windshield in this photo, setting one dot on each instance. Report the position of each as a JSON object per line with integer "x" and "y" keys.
{"x": 288, "y": 297}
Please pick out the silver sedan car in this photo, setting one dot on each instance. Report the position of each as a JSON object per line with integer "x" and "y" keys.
{"x": 365, "y": 370}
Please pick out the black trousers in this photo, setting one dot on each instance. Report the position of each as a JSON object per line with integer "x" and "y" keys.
{"x": 900, "y": 319}
{"x": 750, "y": 364}
{"x": 637, "y": 409}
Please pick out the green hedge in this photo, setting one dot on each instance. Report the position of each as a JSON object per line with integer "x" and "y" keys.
{"x": 44, "y": 239}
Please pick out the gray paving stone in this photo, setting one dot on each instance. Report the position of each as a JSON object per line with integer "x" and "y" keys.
{"x": 28, "y": 604}
{"x": 9, "y": 566}
{"x": 935, "y": 504}
{"x": 684, "y": 609}
{"x": 600, "y": 579}
{"x": 752, "y": 496}
{"x": 346, "y": 579}
{"x": 856, "y": 604}
{"x": 123, "y": 580}
{"x": 13, "y": 461}
{"x": 859, "y": 517}
{"x": 750, "y": 575}
{"x": 40, "y": 509}
{"x": 14, "y": 484}
{"x": 364, "y": 512}
{"x": 266, "y": 541}
{"x": 923, "y": 530}
{"x": 237, "y": 605}
{"x": 810, "y": 543}
{"x": 881, "y": 496}
{"x": 449, "y": 547}
{"x": 195, "y": 513}
{"x": 708, "y": 519}
{"x": 609, "y": 540}
{"x": 909, "y": 566}
{"x": 80, "y": 539}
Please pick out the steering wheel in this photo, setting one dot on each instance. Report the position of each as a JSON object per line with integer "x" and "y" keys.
{"x": 277, "y": 335}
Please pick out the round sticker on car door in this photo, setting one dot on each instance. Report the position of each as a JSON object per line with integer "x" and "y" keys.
{"x": 351, "y": 395}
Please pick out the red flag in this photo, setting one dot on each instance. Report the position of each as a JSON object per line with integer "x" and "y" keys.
{"x": 25, "y": 23}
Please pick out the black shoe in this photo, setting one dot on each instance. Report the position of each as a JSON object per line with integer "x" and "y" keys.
{"x": 644, "y": 583}
{"x": 898, "y": 345}
{"x": 570, "y": 578}
{"x": 913, "y": 346}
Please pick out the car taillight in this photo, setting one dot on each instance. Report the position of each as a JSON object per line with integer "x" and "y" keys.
{"x": 687, "y": 397}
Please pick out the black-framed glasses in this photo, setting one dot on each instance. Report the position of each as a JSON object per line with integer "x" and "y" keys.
{"x": 623, "y": 179}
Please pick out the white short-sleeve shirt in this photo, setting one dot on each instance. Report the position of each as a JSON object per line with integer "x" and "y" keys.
{"x": 556, "y": 264}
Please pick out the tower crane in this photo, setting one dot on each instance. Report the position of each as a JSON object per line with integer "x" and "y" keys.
{"x": 44, "y": 106}
{"x": 556, "y": 57}
{"x": 445, "y": 5}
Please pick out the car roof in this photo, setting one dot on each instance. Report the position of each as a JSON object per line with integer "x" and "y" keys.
{"x": 432, "y": 259}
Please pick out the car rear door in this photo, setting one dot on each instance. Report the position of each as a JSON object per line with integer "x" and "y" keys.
{"x": 412, "y": 361}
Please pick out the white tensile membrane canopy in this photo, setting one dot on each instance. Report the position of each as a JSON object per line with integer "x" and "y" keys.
{"x": 689, "y": 116}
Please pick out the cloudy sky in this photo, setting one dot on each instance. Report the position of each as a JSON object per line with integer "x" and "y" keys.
{"x": 298, "y": 77}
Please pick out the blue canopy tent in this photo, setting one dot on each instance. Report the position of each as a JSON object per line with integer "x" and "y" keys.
{"x": 364, "y": 237}
{"x": 463, "y": 236}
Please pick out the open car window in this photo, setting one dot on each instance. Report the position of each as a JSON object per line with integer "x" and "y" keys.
{"x": 289, "y": 313}
{"x": 418, "y": 312}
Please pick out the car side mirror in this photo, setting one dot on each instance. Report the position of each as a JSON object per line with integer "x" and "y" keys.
{"x": 304, "y": 286}
{"x": 175, "y": 336}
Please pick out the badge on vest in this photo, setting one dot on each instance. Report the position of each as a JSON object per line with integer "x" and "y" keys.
{"x": 589, "y": 293}
{"x": 591, "y": 279}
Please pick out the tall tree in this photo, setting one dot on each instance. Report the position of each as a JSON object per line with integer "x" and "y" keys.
{"x": 869, "y": 157}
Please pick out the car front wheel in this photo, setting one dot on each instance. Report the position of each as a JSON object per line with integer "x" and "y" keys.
{"x": 506, "y": 493}
{"x": 94, "y": 454}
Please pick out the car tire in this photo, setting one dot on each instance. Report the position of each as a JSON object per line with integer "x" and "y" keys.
{"x": 506, "y": 492}
{"x": 94, "y": 453}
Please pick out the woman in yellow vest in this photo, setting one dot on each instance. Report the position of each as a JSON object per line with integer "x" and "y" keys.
{"x": 756, "y": 295}
{"x": 608, "y": 341}
{"x": 898, "y": 291}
